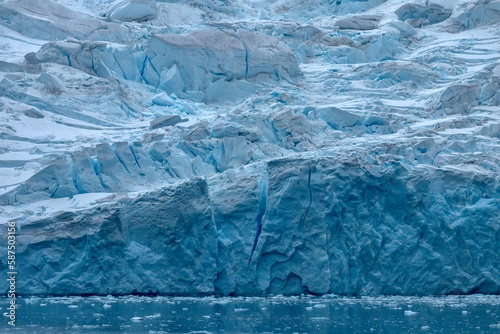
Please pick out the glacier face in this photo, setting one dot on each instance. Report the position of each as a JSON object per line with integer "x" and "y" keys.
{"x": 226, "y": 147}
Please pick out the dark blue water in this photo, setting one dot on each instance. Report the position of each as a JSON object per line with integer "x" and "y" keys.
{"x": 301, "y": 314}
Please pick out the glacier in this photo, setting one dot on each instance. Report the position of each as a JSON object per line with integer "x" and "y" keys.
{"x": 251, "y": 148}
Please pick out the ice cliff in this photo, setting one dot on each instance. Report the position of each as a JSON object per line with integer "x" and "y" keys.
{"x": 250, "y": 148}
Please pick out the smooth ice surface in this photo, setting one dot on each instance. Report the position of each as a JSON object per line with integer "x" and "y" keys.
{"x": 251, "y": 148}
{"x": 278, "y": 314}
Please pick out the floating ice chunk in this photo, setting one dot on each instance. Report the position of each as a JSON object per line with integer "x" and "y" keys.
{"x": 410, "y": 313}
{"x": 133, "y": 10}
{"x": 319, "y": 306}
{"x": 154, "y": 316}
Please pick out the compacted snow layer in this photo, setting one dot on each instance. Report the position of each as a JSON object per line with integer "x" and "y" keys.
{"x": 235, "y": 148}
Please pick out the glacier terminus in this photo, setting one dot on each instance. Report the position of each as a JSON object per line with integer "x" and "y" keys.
{"x": 251, "y": 148}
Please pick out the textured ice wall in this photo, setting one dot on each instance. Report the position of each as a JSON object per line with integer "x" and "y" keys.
{"x": 116, "y": 248}
{"x": 321, "y": 225}
{"x": 209, "y": 65}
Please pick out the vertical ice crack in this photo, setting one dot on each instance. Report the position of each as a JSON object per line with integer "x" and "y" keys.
{"x": 75, "y": 176}
{"x": 435, "y": 157}
{"x": 97, "y": 169}
{"x": 69, "y": 59}
{"x": 113, "y": 148}
{"x": 172, "y": 171}
{"x": 54, "y": 193}
{"x": 142, "y": 69}
{"x": 260, "y": 214}
{"x": 156, "y": 71}
{"x": 303, "y": 220}
{"x": 119, "y": 66}
{"x": 246, "y": 54}
{"x": 133, "y": 153}
{"x": 93, "y": 66}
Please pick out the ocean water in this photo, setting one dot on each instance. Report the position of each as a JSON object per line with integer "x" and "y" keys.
{"x": 276, "y": 314}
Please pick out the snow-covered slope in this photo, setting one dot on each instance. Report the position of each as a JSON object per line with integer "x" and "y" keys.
{"x": 234, "y": 147}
